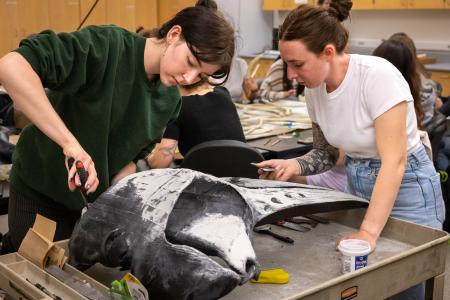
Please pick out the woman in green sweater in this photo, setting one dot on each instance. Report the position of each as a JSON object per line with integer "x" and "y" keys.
{"x": 110, "y": 95}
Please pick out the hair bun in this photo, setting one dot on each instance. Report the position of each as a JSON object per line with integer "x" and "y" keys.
{"x": 207, "y": 3}
{"x": 340, "y": 9}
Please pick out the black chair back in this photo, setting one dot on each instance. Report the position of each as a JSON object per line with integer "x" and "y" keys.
{"x": 223, "y": 158}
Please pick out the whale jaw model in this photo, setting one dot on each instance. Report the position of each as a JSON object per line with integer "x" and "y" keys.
{"x": 165, "y": 224}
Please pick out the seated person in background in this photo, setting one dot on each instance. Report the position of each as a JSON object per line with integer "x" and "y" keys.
{"x": 236, "y": 79}
{"x": 207, "y": 113}
{"x": 274, "y": 87}
{"x": 335, "y": 178}
{"x": 429, "y": 92}
{"x": 400, "y": 55}
{"x": 277, "y": 86}
{"x": 241, "y": 84}
{"x": 442, "y": 103}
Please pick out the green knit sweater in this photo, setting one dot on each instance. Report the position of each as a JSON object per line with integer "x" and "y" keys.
{"x": 99, "y": 88}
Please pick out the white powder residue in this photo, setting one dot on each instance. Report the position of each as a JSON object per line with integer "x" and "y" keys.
{"x": 158, "y": 190}
{"x": 228, "y": 234}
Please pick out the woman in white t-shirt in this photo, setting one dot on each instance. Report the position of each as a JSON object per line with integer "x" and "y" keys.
{"x": 362, "y": 105}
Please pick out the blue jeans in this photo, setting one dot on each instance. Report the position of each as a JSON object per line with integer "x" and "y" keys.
{"x": 419, "y": 199}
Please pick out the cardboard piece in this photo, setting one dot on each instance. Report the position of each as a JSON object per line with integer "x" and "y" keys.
{"x": 45, "y": 227}
{"x": 38, "y": 246}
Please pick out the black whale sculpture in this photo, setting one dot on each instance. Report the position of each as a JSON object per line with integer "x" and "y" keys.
{"x": 164, "y": 224}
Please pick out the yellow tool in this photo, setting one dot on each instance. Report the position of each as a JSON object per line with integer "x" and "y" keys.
{"x": 278, "y": 276}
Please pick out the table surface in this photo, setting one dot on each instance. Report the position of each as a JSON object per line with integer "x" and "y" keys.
{"x": 312, "y": 261}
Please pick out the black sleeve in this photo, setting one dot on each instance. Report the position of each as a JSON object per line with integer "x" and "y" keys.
{"x": 172, "y": 131}
{"x": 445, "y": 109}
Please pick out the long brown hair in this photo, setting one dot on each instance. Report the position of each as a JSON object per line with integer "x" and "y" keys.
{"x": 316, "y": 27}
{"x": 401, "y": 56}
{"x": 404, "y": 38}
{"x": 207, "y": 34}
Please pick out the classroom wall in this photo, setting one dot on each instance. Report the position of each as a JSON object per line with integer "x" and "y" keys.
{"x": 253, "y": 25}
{"x": 429, "y": 28}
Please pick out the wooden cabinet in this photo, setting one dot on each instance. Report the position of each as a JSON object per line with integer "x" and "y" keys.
{"x": 129, "y": 14}
{"x": 400, "y": 4}
{"x": 64, "y": 15}
{"x": 282, "y": 4}
{"x": 426, "y": 4}
{"x": 390, "y": 4}
{"x": 146, "y": 13}
{"x": 98, "y": 14}
{"x": 366, "y": 4}
{"x": 33, "y": 16}
{"x": 168, "y": 9}
{"x": 363, "y": 4}
{"x": 9, "y": 23}
{"x": 444, "y": 79}
{"x": 279, "y": 5}
{"x": 20, "y": 18}
{"x": 121, "y": 13}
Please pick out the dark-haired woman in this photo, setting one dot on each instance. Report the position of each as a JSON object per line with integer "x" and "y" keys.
{"x": 429, "y": 91}
{"x": 401, "y": 56}
{"x": 362, "y": 105}
{"x": 112, "y": 93}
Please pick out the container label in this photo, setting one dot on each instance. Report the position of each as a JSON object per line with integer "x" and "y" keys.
{"x": 353, "y": 263}
{"x": 347, "y": 264}
{"x": 360, "y": 261}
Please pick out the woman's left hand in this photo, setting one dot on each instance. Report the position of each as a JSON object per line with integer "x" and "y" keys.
{"x": 361, "y": 235}
{"x": 129, "y": 169}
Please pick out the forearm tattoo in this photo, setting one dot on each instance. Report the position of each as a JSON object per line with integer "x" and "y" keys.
{"x": 168, "y": 150}
{"x": 321, "y": 158}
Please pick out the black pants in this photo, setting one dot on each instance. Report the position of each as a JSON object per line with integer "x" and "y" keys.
{"x": 22, "y": 213}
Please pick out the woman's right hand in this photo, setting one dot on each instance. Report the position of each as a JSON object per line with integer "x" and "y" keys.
{"x": 250, "y": 87}
{"x": 75, "y": 151}
{"x": 284, "y": 169}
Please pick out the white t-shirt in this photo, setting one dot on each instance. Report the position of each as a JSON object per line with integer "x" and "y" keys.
{"x": 371, "y": 86}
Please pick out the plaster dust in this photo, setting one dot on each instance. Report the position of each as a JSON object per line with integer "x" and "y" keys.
{"x": 228, "y": 234}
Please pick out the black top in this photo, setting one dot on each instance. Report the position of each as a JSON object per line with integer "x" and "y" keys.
{"x": 208, "y": 117}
